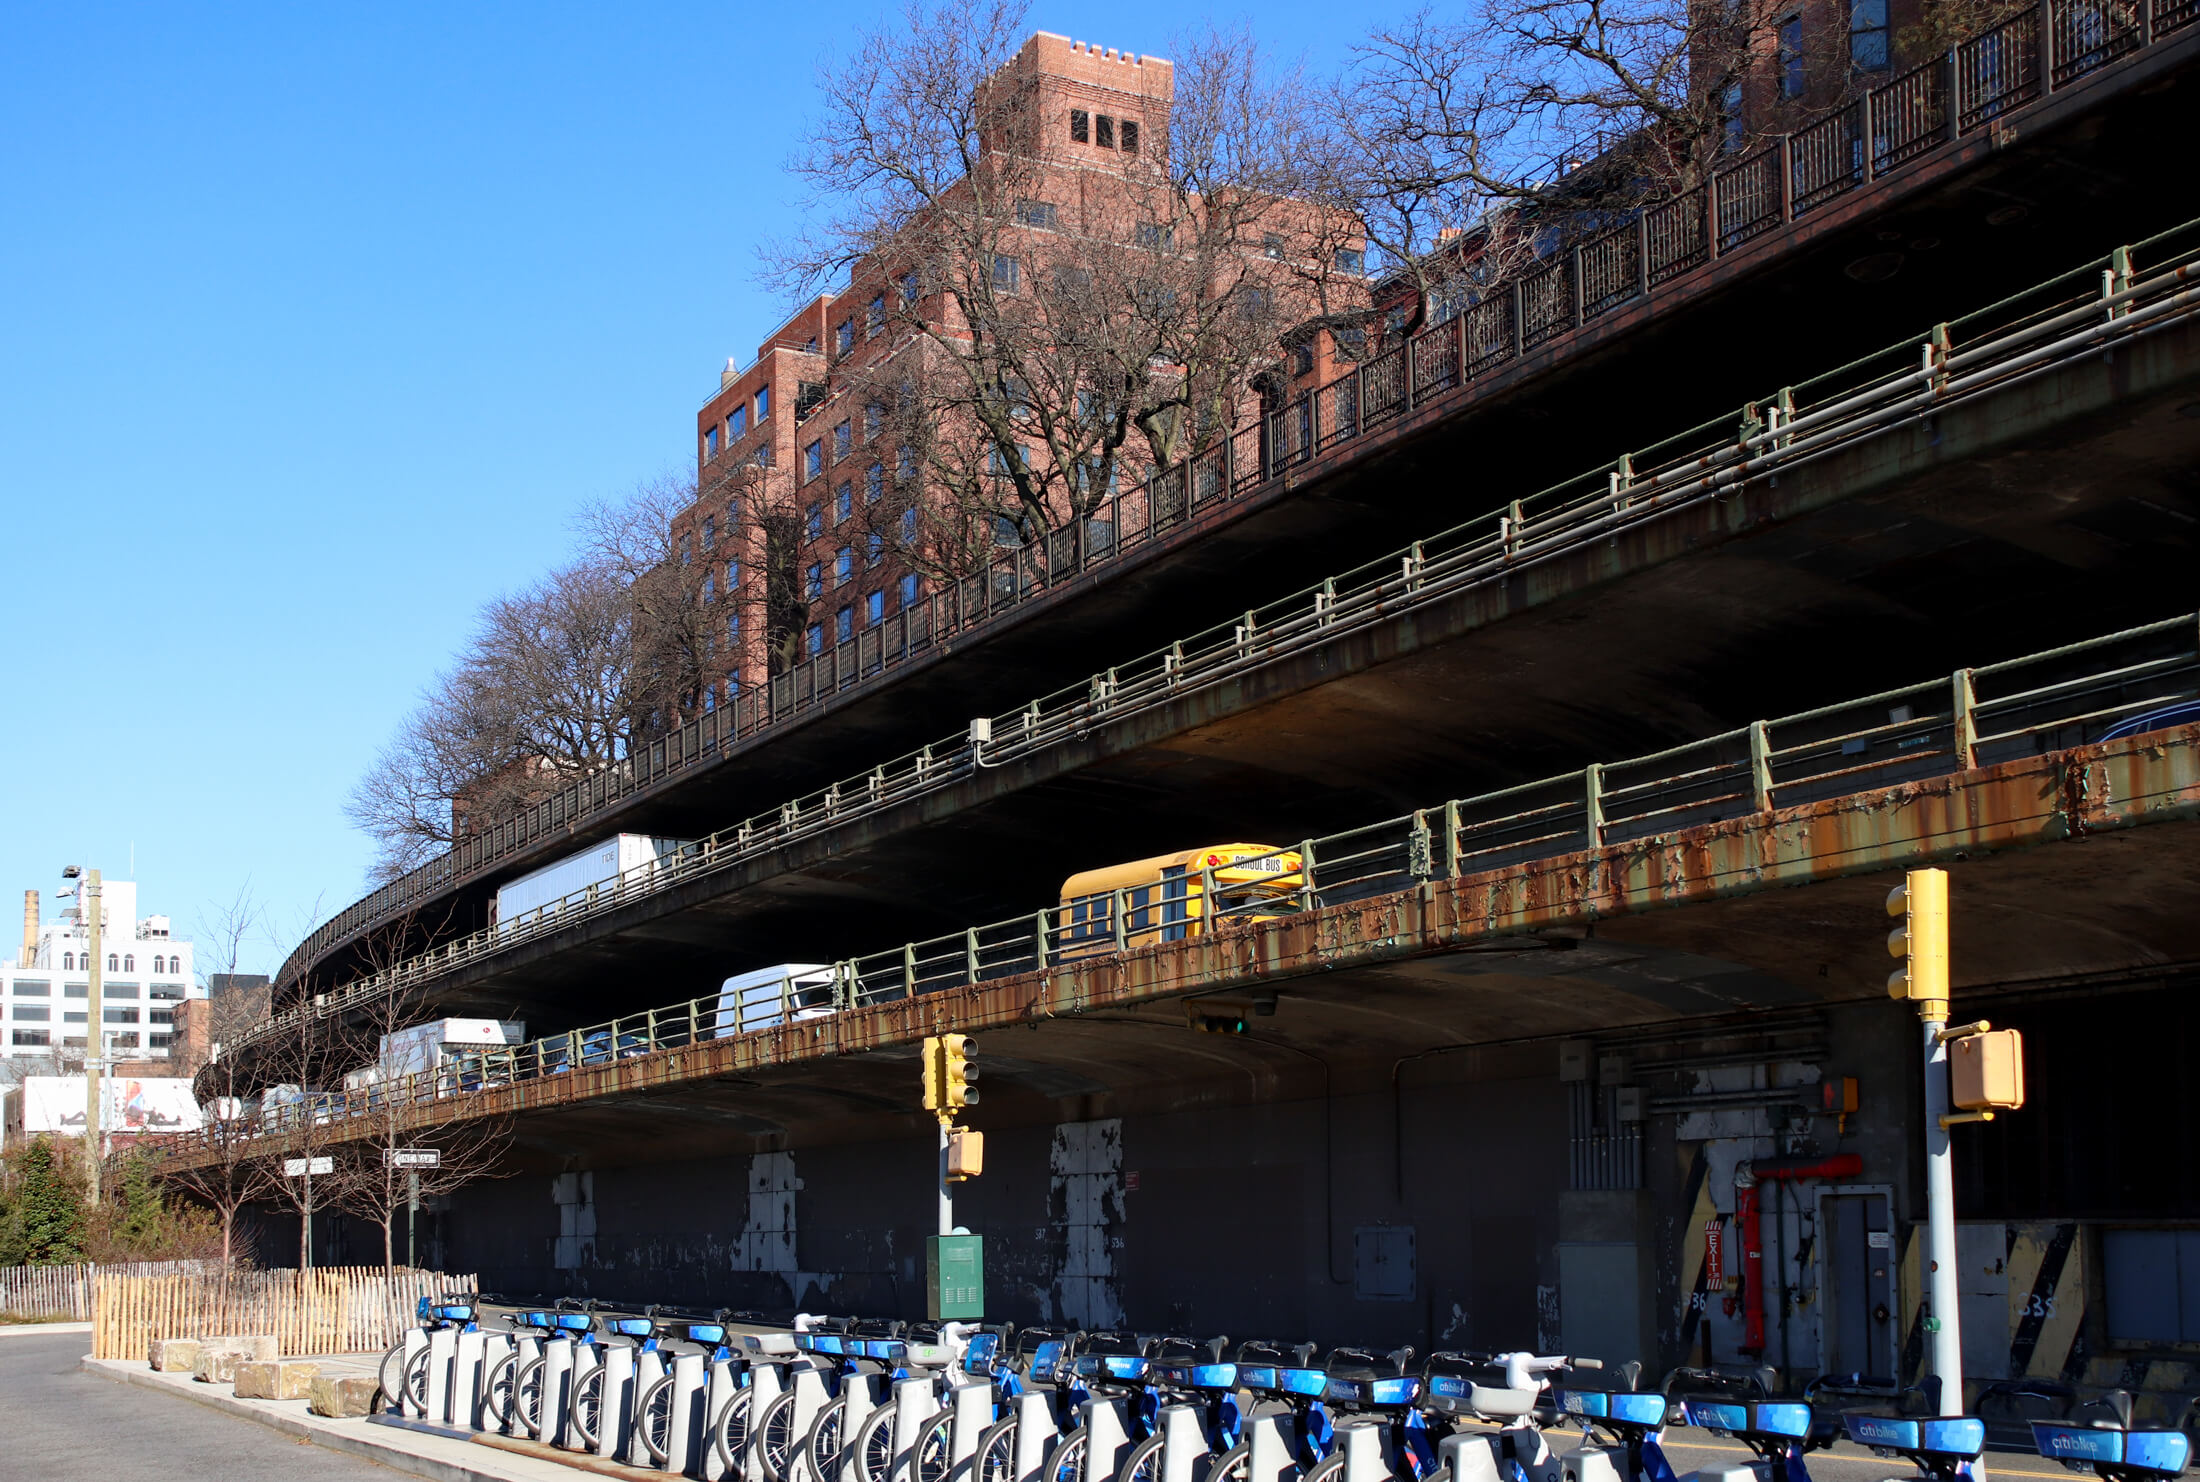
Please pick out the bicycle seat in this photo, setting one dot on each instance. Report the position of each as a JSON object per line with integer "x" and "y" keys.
{"x": 1111, "y": 1368}
{"x": 2111, "y": 1450}
{"x": 1208, "y": 1378}
{"x": 573, "y": 1322}
{"x": 1936, "y": 1446}
{"x": 456, "y": 1312}
{"x": 1454, "y": 1386}
{"x": 1278, "y": 1379}
{"x": 1779, "y": 1424}
{"x": 632, "y": 1327}
{"x": 712, "y": 1333}
{"x": 772, "y": 1347}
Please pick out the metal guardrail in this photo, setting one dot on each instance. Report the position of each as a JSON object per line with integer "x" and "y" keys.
{"x": 1978, "y": 84}
{"x": 2120, "y": 683}
{"x": 2077, "y": 314}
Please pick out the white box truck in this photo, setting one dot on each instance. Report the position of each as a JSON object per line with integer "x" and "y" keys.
{"x": 623, "y": 861}
{"x": 783, "y": 994}
{"x": 454, "y": 1045}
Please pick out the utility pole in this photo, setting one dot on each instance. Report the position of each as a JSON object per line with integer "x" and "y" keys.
{"x": 95, "y": 1042}
{"x": 1921, "y": 904}
{"x": 954, "y": 1261}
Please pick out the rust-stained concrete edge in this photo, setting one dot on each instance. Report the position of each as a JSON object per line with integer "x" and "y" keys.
{"x": 2020, "y": 804}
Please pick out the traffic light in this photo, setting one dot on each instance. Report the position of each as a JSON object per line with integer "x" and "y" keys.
{"x": 1920, "y": 903}
{"x": 957, "y": 1071}
{"x": 933, "y": 1100}
{"x": 1218, "y": 1023}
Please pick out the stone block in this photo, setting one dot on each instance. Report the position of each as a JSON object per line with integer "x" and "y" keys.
{"x": 284, "y": 1379}
{"x": 176, "y": 1355}
{"x": 258, "y": 1347}
{"x": 343, "y": 1396}
{"x": 217, "y": 1365}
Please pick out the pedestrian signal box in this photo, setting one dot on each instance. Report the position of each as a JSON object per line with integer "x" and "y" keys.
{"x": 965, "y": 1154}
{"x": 1986, "y": 1071}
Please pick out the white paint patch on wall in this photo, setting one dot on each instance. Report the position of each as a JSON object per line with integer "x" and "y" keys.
{"x": 575, "y": 1196}
{"x": 1085, "y": 1205}
{"x": 767, "y": 1239}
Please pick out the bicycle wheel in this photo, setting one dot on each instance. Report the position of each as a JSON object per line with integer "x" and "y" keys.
{"x": 391, "y": 1375}
{"x": 496, "y": 1393}
{"x": 527, "y": 1396}
{"x": 588, "y": 1407}
{"x": 874, "y": 1446}
{"x": 1067, "y": 1464}
{"x": 996, "y": 1457}
{"x": 1329, "y": 1469}
{"x": 416, "y": 1384}
{"x": 1234, "y": 1465}
{"x": 775, "y": 1434}
{"x": 729, "y": 1433}
{"x": 1144, "y": 1462}
{"x": 653, "y": 1417}
{"x": 933, "y": 1456}
{"x": 822, "y": 1445}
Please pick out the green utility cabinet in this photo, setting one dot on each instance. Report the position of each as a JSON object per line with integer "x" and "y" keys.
{"x": 954, "y": 1277}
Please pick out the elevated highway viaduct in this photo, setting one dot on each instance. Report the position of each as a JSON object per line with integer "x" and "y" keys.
{"x": 1965, "y": 528}
{"x": 1489, "y": 1109}
{"x": 1999, "y": 206}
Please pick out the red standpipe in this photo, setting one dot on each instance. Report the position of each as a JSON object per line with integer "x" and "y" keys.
{"x": 1748, "y": 1220}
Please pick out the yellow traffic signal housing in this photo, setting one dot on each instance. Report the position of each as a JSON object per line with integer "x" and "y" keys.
{"x": 957, "y": 1071}
{"x": 1986, "y": 1071}
{"x": 1920, "y": 903}
{"x": 965, "y": 1154}
{"x": 934, "y": 1099}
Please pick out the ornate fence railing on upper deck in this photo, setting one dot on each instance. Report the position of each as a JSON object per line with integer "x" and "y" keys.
{"x": 2109, "y": 301}
{"x": 2134, "y": 682}
{"x": 1978, "y": 83}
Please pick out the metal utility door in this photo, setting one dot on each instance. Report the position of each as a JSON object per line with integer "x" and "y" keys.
{"x": 1856, "y": 1275}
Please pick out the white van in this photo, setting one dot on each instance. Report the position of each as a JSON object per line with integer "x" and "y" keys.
{"x": 785, "y": 994}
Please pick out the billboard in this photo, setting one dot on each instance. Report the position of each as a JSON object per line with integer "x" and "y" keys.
{"x": 55, "y": 1103}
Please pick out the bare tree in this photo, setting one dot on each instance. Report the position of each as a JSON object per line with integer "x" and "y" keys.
{"x": 1038, "y": 330}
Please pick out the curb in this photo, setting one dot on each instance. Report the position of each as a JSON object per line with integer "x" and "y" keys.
{"x": 365, "y": 1445}
{"x": 33, "y": 1329}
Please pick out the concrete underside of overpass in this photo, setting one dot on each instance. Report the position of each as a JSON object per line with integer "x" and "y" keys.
{"x": 1955, "y": 231}
{"x": 1404, "y": 1104}
{"x": 2045, "y": 512}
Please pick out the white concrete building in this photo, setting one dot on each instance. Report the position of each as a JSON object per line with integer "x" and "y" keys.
{"x": 45, "y": 989}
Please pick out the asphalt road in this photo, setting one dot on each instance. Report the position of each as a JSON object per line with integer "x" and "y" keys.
{"x": 60, "y": 1424}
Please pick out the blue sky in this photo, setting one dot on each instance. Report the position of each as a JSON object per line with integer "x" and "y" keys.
{"x": 319, "y": 324}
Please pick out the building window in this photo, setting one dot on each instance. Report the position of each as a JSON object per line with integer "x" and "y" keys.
{"x": 874, "y": 548}
{"x": 844, "y": 625}
{"x": 909, "y": 293}
{"x": 1006, "y": 272}
{"x": 160, "y": 1041}
{"x": 1038, "y": 213}
{"x": 118, "y": 1016}
{"x": 74, "y": 990}
{"x": 68, "y": 962}
{"x": 710, "y": 538}
{"x": 161, "y": 1016}
{"x": 737, "y": 424}
{"x": 1271, "y": 244}
{"x": 874, "y": 315}
{"x": 710, "y": 441}
{"x": 1103, "y": 131}
{"x": 1130, "y": 136}
{"x": 844, "y": 566}
{"x": 1791, "y": 57}
{"x": 30, "y": 988}
{"x": 813, "y": 460}
{"x": 1730, "y": 109}
{"x": 905, "y": 466}
{"x": 127, "y": 1040}
{"x": 874, "y": 483}
{"x": 844, "y": 503}
{"x": 1155, "y": 238}
{"x": 1080, "y": 126}
{"x": 687, "y": 550}
{"x": 813, "y": 581}
{"x": 120, "y": 990}
{"x": 710, "y": 699}
{"x": 112, "y": 959}
{"x": 813, "y": 522}
{"x": 844, "y": 336}
{"x": 814, "y": 639}
{"x": 912, "y": 589}
{"x": 1868, "y": 35}
{"x": 31, "y": 1013}
{"x": 874, "y": 420}
{"x": 763, "y": 405}
{"x": 764, "y": 456}
{"x": 31, "y": 1039}
{"x": 874, "y": 609}
{"x": 733, "y": 575}
{"x": 1351, "y": 260}
{"x": 710, "y": 586}
{"x": 733, "y": 629}
{"x": 909, "y": 526}
{"x": 843, "y": 440}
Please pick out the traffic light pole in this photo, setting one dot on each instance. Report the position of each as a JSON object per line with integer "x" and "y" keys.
{"x": 947, "y": 1191}
{"x": 1943, "y": 1321}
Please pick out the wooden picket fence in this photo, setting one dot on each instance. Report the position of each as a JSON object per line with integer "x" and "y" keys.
{"x": 331, "y": 1309}
{"x": 49, "y": 1292}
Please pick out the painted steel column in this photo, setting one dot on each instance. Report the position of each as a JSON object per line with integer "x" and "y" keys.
{"x": 1943, "y": 1323}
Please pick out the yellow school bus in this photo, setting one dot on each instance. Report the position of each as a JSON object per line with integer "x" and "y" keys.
{"x": 1163, "y": 898}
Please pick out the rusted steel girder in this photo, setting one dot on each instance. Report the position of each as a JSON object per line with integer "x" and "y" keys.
{"x": 2057, "y": 796}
